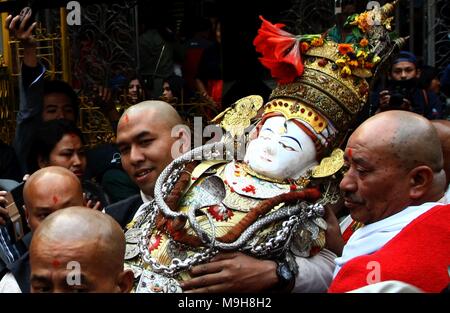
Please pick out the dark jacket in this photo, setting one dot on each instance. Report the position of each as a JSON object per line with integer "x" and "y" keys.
{"x": 124, "y": 211}
{"x": 21, "y": 268}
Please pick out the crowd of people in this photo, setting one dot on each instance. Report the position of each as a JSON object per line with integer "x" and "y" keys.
{"x": 295, "y": 214}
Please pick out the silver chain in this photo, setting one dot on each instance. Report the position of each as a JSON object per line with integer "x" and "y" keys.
{"x": 297, "y": 214}
{"x": 177, "y": 265}
{"x": 280, "y": 237}
{"x": 287, "y": 228}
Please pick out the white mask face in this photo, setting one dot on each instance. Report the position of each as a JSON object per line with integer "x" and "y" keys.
{"x": 282, "y": 150}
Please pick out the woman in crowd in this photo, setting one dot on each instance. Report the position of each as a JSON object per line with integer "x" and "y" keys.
{"x": 61, "y": 143}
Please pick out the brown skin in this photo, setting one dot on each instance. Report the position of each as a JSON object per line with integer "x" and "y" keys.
{"x": 146, "y": 142}
{"x": 48, "y": 190}
{"x": 3, "y": 204}
{"x": 144, "y": 139}
{"x": 167, "y": 93}
{"x": 404, "y": 70}
{"x": 89, "y": 237}
{"x": 394, "y": 161}
{"x": 134, "y": 90}
{"x": 399, "y": 71}
{"x": 237, "y": 272}
{"x": 333, "y": 237}
{"x": 443, "y": 130}
{"x": 69, "y": 153}
{"x": 55, "y": 105}
{"x": 232, "y": 272}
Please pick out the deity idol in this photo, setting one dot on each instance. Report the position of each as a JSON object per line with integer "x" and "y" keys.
{"x": 270, "y": 204}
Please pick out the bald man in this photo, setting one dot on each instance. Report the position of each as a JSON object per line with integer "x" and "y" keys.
{"x": 443, "y": 130}
{"x": 150, "y": 135}
{"x": 79, "y": 250}
{"x": 395, "y": 186}
{"x": 46, "y": 191}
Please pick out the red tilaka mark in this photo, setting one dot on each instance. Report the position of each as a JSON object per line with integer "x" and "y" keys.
{"x": 126, "y": 118}
{"x": 55, "y": 199}
{"x": 350, "y": 153}
{"x": 56, "y": 263}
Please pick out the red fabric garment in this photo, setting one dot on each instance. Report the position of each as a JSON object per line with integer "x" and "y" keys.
{"x": 350, "y": 230}
{"x": 215, "y": 90}
{"x": 419, "y": 255}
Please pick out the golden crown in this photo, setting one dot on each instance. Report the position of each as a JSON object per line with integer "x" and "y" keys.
{"x": 291, "y": 109}
{"x": 332, "y": 79}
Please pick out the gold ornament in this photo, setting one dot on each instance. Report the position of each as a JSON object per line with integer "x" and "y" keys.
{"x": 330, "y": 165}
{"x": 237, "y": 118}
{"x": 301, "y": 182}
{"x": 291, "y": 109}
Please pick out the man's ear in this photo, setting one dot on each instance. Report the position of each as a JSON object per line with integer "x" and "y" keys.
{"x": 421, "y": 180}
{"x": 126, "y": 279}
{"x": 182, "y": 143}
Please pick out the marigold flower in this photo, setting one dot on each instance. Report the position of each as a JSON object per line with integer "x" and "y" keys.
{"x": 346, "y": 71}
{"x": 353, "y": 63}
{"x": 361, "y": 54}
{"x": 345, "y": 48}
{"x": 361, "y": 21}
{"x": 363, "y": 42}
{"x": 341, "y": 62}
{"x": 316, "y": 42}
{"x": 304, "y": 46}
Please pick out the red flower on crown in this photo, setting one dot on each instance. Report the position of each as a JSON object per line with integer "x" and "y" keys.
{"x": 280, "y": 50}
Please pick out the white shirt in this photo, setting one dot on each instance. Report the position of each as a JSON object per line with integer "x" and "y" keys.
{"x": 8, "y": 284}
{"x": 372, "y": 237}
{"x": 315, "y": 273}
{"x": 146, "y": 199}
{"x": 389, "y": 286}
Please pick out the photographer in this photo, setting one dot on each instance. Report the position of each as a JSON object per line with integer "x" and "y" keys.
{"x": 403, "y": 92}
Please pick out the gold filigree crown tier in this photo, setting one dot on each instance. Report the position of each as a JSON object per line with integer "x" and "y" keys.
{"x": 293, "y": 109}
{"x": 322, "y": 88}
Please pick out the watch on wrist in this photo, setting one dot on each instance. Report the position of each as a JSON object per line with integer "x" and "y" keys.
{"x": 285, "y": 275}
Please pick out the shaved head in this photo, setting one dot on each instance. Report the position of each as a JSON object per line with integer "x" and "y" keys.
{"x": 164, "y": 111}
{"x": 49, "y": 189}
{"x": 83, "y": 225}
{"x": 407, "y": 137}
{"x": 150, "y": 135}
{"x": 443, "y": 131}
{"x": 394, "y": 161}
{"x": 92, "y": 239}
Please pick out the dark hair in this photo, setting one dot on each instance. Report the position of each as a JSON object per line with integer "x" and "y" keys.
{"x": 60, "y": 86}
{"x": 47, "y": 137}
{"x": 427, "y": 74}
{"x": 134, "y": 75}
{"x": 176, "y": 85}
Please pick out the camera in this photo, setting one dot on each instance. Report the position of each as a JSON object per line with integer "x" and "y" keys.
{"x": 399, "y": 90}
{"x": 17, "y": 225}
